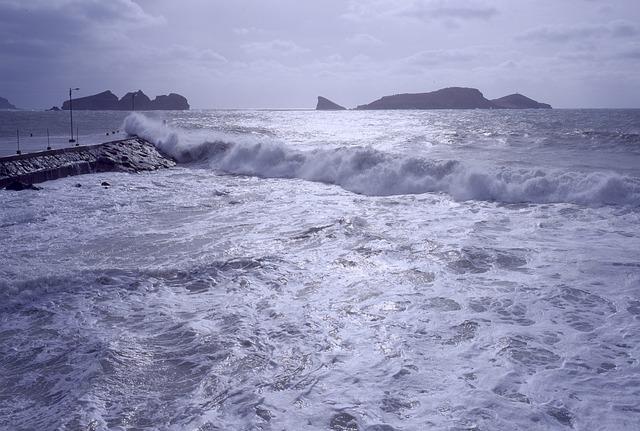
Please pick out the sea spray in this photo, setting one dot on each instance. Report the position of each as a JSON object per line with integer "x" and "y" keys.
{"x": 367, "y": 171}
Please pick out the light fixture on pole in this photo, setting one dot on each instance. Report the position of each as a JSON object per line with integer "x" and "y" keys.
{"x": 71, "y": 112}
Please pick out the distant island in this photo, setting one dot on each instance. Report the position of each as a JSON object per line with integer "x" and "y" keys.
{"x": 325, "y": 104}
{"x": 4, "y": 104}
{"x": 446, "y": 98}
{"x": 107, "y": 101}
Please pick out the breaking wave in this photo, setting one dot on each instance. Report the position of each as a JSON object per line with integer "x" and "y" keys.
{"x": 371, "y": 172}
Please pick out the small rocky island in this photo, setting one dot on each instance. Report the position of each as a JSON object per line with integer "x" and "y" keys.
{"x": 518, "y": 101}
{"x": 446, "y": 98}
{"x": 138, "y": 101}
{"x": 325, "y": 104}
{"x": 5, "y": 105}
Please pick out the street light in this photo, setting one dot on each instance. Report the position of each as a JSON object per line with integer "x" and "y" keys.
{"x": 71, "y": 112}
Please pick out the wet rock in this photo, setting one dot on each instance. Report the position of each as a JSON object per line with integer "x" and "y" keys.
{"x": 78, "y": 185}
{"x": 19, "y": 186}
{"x": 105, "y": 184}
{"x": 344, "y": 422}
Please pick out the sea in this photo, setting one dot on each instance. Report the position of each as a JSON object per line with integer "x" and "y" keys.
{"x": 303, "y": 270}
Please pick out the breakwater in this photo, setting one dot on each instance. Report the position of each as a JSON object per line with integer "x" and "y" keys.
{"x": 127, "y": 155}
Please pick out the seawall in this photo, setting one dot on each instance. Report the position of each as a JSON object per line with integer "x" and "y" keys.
{"x": 127, "y": 155}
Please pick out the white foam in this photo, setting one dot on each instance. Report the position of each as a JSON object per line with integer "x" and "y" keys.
{"x": 371, "y": 172}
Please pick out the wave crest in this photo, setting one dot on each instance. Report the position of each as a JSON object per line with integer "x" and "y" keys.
{"x": 370, "y": 172}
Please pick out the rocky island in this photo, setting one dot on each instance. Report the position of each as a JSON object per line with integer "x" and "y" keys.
{"x": 107, "y": 101}
{"x": 453, "y": 98}
{"x": 518, "y": 101}
{"x": 325, "y": 104}
{"x": 4, "y": 104}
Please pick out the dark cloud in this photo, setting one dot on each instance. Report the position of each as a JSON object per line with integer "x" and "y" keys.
{"x": 581, "y": 33}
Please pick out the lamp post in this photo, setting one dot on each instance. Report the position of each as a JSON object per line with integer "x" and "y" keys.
{"x": 71, "y": 112}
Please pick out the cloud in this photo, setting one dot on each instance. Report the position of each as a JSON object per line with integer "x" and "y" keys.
{"x": 580, "y": 33}
{"x": 433, "y": 10}
{"x": 364, "y": 39}
{"x": 188, "y": 53}
{"x": 247, "y": 31}
{"x": 423, "y": 10}
{"x": 439, "y": 58}
{"x": 274, "y": 48}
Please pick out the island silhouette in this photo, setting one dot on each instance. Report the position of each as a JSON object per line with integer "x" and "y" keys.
{"x": 445, "y": 98}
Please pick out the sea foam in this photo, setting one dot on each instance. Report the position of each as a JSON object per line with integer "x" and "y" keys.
{"x": 368, "y": 171}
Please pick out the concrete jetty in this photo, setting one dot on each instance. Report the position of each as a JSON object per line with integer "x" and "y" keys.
{"x": 128, "y": 155}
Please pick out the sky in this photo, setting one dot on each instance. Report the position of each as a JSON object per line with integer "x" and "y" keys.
{"x": 283, "y": 53}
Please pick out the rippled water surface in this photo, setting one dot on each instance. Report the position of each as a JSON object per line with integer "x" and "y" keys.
{"x": 369, "y": 271}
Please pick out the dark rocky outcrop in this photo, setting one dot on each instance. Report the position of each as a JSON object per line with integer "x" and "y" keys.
{"x": 129, "y": 155}
{"x": 446, "y": 98}
{"x": 107, "y": 101}
{"x": 325, "y": 104}
{"x": 518, "y": 101}
{"x": 172, "y": 102}
{"x": 453, "y": 98}
{"x": 4, "y": 104}
{"x": 54, "y": 108}
{"x": 104, "y": 101}
{"x": 18, "y": 186}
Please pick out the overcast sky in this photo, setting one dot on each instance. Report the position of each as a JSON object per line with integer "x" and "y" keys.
{"x": 284, "y": 53}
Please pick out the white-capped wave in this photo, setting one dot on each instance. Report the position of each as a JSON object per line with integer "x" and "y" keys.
{"x": 371, "y": 172}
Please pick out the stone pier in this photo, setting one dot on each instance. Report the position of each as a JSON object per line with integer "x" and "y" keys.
{"x": 127, "y": 155}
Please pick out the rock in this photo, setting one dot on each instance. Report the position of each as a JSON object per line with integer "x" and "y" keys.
{"x": 104, "y": 101}
{"x": 141, "y": 102}
{"x": 172, "y": 102}
{"x": 54, "y": 108}
{"x": 518, "y": 101}
{"x": 4, "y": 104}
{"x": 78, "y": 185}
{"x": 452, "y": 98}
{"x": 325, "y": 104}
{"x": 446, "y": 98}
{"x": 19, "y": 186}
{"x": 105, "y": 184}
{"x": 107, "y": 101}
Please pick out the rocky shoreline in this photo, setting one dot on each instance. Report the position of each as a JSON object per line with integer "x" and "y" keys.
{"x": 128, "y": 155}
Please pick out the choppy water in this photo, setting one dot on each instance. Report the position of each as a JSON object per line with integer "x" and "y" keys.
{"x": 333, "y": 271}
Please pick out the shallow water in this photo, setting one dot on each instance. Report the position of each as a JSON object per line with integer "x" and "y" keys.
{"x": 304, "y": 270}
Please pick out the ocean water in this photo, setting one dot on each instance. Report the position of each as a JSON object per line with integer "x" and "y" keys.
{"x": 300, "y": 270}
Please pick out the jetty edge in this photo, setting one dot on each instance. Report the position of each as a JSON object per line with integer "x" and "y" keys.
{"x": 133, "y": 154}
